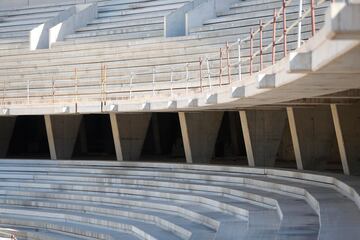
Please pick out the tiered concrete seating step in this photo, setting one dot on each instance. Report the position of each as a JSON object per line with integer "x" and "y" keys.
{"x": 44, "y": 69}
{"x": 128, "y": 20}
{"x": 134, "y": 200}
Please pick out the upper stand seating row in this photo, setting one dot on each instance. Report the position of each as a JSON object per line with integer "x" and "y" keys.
{"x": 116, "y": 38}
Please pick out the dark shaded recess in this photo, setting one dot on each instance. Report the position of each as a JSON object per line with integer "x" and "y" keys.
{"x": 285, "y": 157}
{"x": 29, "y": 139}
{"x": 163, "y": 140}
{"x": 230, "y": 146}
{"x": 95, "y": 140}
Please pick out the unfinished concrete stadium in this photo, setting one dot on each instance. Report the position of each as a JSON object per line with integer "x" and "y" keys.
{"x": 180, "y": 119}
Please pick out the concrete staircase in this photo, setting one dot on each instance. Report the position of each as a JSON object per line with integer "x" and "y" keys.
{"x": 132, "y": 200}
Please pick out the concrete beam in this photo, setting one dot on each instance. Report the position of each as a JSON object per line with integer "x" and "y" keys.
{"x": 7, "y": 125}
{"x": 129, "y": 132}
{"x": 312, "y": 135}
{"x": 62, "y": 132}
{"x": 342, "y": 20}
{"x": 199, "y": 132}
{"x": 347, "y": 127}
{"x": 262, "y": 130}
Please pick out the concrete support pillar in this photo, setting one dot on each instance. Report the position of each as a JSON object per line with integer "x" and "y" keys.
{"x": 347, "y": 127}
{"x": 312, "y": 135}
{"x": 7, "y": 125}
{"x": 129, "y": 132}
{"x": 199, "y": 132}
{"x": 62, "y": 132}
{"x": 262, "y": 132}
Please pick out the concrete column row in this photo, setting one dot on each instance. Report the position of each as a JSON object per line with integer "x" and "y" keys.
{"x": 317, "y": 135}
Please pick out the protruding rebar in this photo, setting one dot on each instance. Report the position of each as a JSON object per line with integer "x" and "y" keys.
{"x": 187, "y": 78}
{"x": 300, "y": 23}
{"x": 171, "y": 82}
{"x": 284, "y": 27}
{"x": 131, "y": 83}
{"x": 154, "y": 79}
{"x": 208, "y": 72}
{"x": 228, "y": 61}
{"x": 251, "y": 51}
{"x": 313, "y": 20}
{"x": 201, "y": 80}
{"x": 76, "y": 86}
{"x": 221, "y": 67}
{"x": 239, "y": 58}
{"x": 274, "y": 39}
{"x": 261, "y": 44}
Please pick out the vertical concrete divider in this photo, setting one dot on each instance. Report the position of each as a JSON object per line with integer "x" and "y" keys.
{"x": 129, "y": 132}
{"x": 39, "y": 36}
{"x": 7, "y": 125}
{"x": 199, "y": 132}
{"x": 312, "y": 132}
{"x": 193, "y": 14}
{"x": 346, "y": 121}
{"x": 84, "y": 14}
{"x": 263, "y": 131}
{"x": 62, "y": 132}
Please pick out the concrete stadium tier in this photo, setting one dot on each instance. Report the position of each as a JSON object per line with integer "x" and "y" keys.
{"x": 179, "y": 119}
{"x": 136, "y": 200}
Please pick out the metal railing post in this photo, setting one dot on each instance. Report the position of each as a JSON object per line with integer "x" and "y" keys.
{"x": 4, "y": 92}
{"x": 274, "y": 39}
{"x": 105, "y": 84}
{"x": 171, "y": 82}
{"x": 53, "y": 88}
{"x": 76, "y": 89}
{"x": 300, "y": 23}
{"x": 28, "y": 91}
{"x": 251, "y": 51}
{"x": 228, "y": 62}
{"x": 187, "y": 78}
{"x": 201, "y": 83}
{"x": 153, "y": 80}
{"x": 284, "y": 27}
{"x": 239, "y": 58}
{"x": 209, "y": 74}
{"x": 221, "y": 67}
{"x": 261, "y": 44}
{"x": 130, "y": 86}
{"x": 313, "y": 21}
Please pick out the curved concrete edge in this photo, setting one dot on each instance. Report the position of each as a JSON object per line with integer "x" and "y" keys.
{"x": 220, "y": 206}
{"x": 338, "y": 182}
{"x": 158, "y": 221}
{"x": 131, "y": 229}
{"x": 54, "y": 227}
